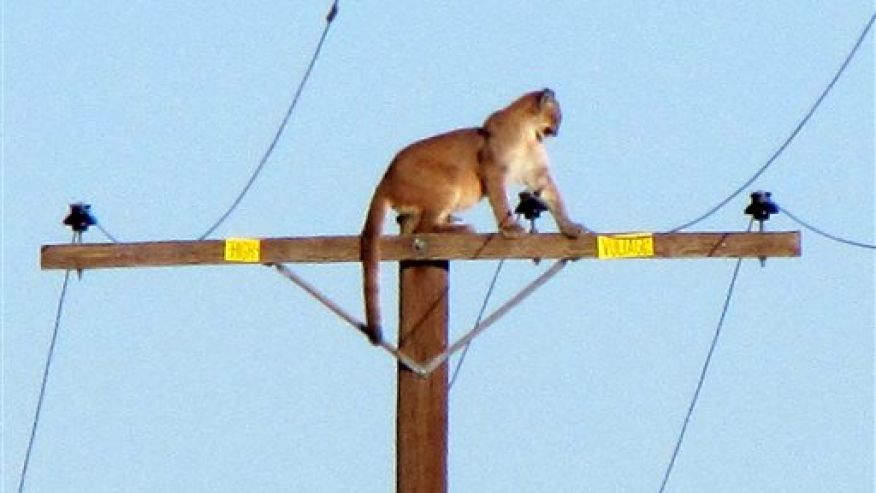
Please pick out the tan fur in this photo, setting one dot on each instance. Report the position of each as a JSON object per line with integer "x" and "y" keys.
{"x": 433, "y": 178}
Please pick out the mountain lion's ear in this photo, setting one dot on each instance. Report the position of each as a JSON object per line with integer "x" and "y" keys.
{"x": 547, "y": 96}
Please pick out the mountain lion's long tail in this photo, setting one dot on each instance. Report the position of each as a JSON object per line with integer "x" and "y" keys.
{"x": 369, "y": 250}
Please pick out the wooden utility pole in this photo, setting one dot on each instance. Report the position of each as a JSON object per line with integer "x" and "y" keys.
{"x": 421, "y": 417}
{"x": 421, "y": 406}
{"x": 421, "y": 426}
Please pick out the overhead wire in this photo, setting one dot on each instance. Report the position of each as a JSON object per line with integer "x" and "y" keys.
{"x": 826, "y": 234}
{"x": 51, "y": 351}
{"x": 330, "y": 17}
{"x": 480, "y": 316}
{"x": 530, "y": 207}
{"x": 702, "y": 378}
{"x": 46, "y": 369}
{"x": 106, "y": 233}
{"x": 772, "y": 159}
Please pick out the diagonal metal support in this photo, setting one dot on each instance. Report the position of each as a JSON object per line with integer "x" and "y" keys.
{"x": 423, "y": 370}
{"x": 439, "y": 359}
{"x": 337, "y": 310}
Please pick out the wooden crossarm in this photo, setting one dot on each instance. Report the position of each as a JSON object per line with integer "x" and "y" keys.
{"x": 325, "y": 249}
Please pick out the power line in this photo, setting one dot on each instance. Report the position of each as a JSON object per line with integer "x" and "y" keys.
{"x": 530, "y": 207}
{"x": 477, "y": 322}
{"x": 41, "y": 398}
{"x": 790, "y": 138}
{"x": 826, "y": 234}
{"x": 255, "y": 174}
{"x": 705, "y": 369}
{"x": 106, "y": 233}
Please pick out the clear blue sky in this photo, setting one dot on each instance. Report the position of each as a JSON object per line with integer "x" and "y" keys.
{"x": 228, "y": 379}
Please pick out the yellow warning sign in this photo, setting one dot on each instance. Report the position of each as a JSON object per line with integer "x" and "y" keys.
{"x": 633, "y": 245}
{"x": 242, "y": 250}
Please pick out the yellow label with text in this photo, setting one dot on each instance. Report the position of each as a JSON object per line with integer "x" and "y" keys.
{"x": 242, "y": 250}
{"x": 634, "y": 245}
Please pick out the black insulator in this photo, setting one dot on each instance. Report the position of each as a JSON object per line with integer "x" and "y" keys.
{"x": 80, "y": 217}
{"x": 531, "y": 205}
{"x": 761, "y": 206}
